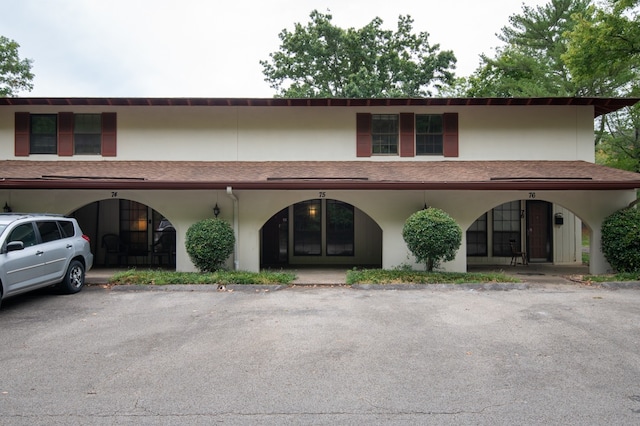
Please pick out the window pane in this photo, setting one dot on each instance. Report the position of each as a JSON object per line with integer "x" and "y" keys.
{"x": 307, "y": 228}
{"x": 87, "y": 144}
{"x": 340, "y": 234}
{"x": 24, "y": 233}
{"x": 506, "y": 227}
{"x": 68, "y": 228}
{"x": 384, "y": 133}
{"x": 477, "y": 237}
{"x": 44, "y": 134}
{"x": 49, "y": 231}
{"x": 87, "y": 133}
{"x": 87, "y": 123}
{"x": 429, "y": 134}
{"x": 429, "y": 144}
{"x": 133, "y": 226}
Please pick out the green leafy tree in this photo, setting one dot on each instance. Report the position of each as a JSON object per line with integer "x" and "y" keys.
{"x": 209, "y": 243}
{"x": 621, "y": 240}
{"x": 432, "y": 236}
{"x": 604, "y": 47}
{"x": 15, "y": 73}
{"x": 604, "y": 53}
{"x": 530, "y": 63}
{"x": 619, "y": 142}
{"x": 322, "y": 60}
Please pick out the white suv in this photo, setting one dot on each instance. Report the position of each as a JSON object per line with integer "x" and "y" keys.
{"x": 39, "y": 250}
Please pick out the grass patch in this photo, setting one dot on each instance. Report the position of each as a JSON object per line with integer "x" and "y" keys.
{"x": 159, "y": 277}
{"x": 627, "y": 276}
{"x": 382, "y": 276}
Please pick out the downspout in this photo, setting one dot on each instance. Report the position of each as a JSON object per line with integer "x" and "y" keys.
{"x": 236, "y": 226}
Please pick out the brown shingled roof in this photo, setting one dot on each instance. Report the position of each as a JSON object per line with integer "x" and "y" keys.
{"x": 438, "y": 175}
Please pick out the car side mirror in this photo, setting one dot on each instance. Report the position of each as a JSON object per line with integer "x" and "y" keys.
{"x": 15, "y": 245}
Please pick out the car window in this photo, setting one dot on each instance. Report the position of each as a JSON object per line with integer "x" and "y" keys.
{"x": 24, "y": 233}
{"x": 67, "y": 228}
{"x": 49, "y": 231}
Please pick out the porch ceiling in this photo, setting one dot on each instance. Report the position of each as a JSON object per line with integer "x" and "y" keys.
{"x": 360, "y": 175}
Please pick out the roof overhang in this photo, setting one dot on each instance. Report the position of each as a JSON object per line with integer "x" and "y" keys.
{"x": 601, "y": 105}
{"x": 320, "y": 185}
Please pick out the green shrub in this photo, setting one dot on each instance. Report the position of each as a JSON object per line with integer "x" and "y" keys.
{"x": 621, "y": 240}
{"x": 432, "y": 236}
{"x": 209, "y": 243}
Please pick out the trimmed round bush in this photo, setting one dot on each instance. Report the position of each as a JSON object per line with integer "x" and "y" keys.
{"x": 621, "y": 240}
{"x": 432, "y": 236}
{"x": 209, "y": 243}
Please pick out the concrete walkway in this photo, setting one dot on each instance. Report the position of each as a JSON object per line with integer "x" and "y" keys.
{"x": 532, "y": 273}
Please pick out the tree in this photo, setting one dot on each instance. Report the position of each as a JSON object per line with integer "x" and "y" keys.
{"x": 209, "y": 243}
{"x": 15, "y": 73}
{"x": 323, "y": 60}
{"x": 604, "y": 47}
{"x": 530, "y": 64}
{"x": 432, "y": 236}
{"x": 619, "y": 142}
{"x": 604, "y": 53}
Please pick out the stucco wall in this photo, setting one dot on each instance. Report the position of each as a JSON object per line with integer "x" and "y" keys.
{"x": 322, "y": 133}
{"x": 389, "y": 209}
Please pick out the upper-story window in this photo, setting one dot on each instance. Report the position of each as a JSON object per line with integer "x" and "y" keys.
{"x": 87, "y": 133}
{"x": 384, "y": 133}
{"x": 44, "y": 134}
{"x": 428, "y": 134}
{"x": 407, "y": 134}
{"x": 65, "y": 134}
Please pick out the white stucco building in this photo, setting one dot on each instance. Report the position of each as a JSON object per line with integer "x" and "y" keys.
{"x": 317, "y": 181}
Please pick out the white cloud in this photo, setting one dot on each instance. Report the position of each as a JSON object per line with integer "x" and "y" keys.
{"x": 210, "y": 48}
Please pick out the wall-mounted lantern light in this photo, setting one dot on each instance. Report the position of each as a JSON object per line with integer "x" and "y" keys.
{"x": 216, "y": 210}
{"x": 6, "y": 208}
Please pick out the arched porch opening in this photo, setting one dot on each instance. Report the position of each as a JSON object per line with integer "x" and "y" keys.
{"x": 126, "y": 233}
{"x": 544, "y": 232}
{"x": 320, "y": 232}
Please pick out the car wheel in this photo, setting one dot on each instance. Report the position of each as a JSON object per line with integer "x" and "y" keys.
{"x": 74, "y": 278}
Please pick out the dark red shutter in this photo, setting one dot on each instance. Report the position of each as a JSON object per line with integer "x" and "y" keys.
{"x": 407, "y": 131}
{"x": 450, "y": 136}
{"x": 65, "y": 134}
{"x": 363, "y": 135}
{"x": 109, "y": 127}
{"x": 22, "y": 145}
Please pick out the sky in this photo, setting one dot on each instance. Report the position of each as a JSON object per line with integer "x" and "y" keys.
{"x": 212, "y": 48}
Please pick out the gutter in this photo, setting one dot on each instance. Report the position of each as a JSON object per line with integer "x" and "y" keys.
{"x": 236, "y": 227}
{"x": 494, "y": 185}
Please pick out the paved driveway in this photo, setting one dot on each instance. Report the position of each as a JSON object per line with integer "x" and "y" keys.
{"x": 324, "y": 355}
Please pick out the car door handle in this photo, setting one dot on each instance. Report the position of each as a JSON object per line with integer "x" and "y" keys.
{"x": 39, "y": 252}
{"x": 69, "y": 245}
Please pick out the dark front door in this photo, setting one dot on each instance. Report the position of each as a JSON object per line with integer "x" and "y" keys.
{"x": 275, "y": 239}
{"x": 539, "y": 231}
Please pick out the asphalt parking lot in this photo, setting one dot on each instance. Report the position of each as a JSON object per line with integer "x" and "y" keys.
{"x": 565, "y": 354}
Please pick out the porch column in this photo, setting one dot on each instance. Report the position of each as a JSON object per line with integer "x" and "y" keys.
{"x": 597, "y": 262}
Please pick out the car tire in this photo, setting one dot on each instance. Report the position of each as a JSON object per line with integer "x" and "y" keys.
{"x": 74, "y": 278}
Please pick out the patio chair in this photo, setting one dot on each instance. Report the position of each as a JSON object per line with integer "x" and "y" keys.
{"x": 114, "y": 247}
{"x": 165, "y": 246}
{"x": 517, "y": 253}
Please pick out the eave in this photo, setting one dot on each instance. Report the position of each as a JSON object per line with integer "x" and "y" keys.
{"x": 519, "y": 185}
{"x": 601, "y": 105}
